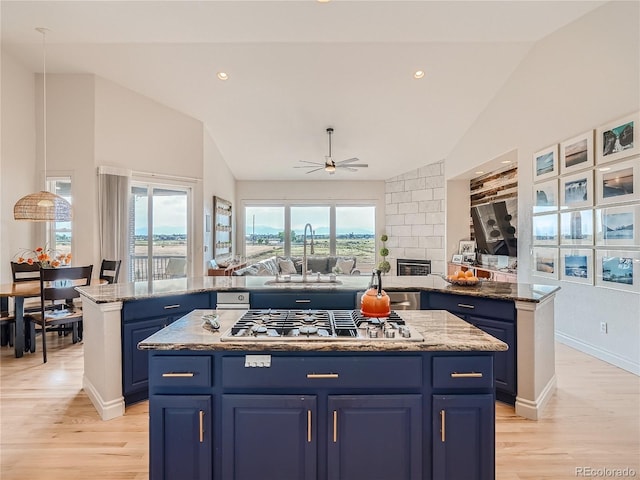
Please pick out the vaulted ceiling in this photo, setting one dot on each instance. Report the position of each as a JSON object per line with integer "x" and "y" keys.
{"x": 298, "y": 67}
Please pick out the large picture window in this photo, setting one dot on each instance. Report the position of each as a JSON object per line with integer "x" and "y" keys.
{"x": 341, "y": 230}
{"x": 59, "y": 234}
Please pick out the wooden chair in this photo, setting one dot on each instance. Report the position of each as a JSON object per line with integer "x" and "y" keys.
{"x": 110, "y": 270}
{"x": 58, "y": 311}
{"x": 7, "y": 323}
{"x": 23, "y": 272}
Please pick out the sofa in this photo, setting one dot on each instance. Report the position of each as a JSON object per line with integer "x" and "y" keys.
{"x": 278, "y": 265}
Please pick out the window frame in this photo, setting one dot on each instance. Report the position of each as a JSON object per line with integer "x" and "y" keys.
{"x": 50, "y": 227}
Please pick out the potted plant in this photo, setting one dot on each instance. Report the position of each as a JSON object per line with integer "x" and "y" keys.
{"x": 384, "y": 266}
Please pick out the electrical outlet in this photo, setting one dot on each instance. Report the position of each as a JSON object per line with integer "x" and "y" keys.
{"x": 603, "y": 327}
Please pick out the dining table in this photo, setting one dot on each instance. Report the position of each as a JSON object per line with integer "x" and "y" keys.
{"x": 19, "y": 291}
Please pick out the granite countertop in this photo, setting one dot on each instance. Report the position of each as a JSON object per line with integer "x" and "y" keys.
{"x": 120, "y": 292}
{"x": 441, "y": 330}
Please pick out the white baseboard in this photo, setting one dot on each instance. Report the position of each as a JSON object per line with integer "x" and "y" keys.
{"x": 604, "y": 355}
{"x": 532, "y": 409}
{"x": 106, "y": 410}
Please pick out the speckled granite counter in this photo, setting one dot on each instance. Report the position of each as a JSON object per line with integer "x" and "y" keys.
{"x": 441, "y": 330}
{"x": 523, "y": 292}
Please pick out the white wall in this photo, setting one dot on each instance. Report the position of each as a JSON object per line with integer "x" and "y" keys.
{"x": 572, "y": 81}
{"x": 308, "y": 191}
{"x": 18, "y": 160}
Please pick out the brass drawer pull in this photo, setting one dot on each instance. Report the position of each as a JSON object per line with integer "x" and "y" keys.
{"x": 178, "y": 375}
{"x": 467, "y": 375}
{"x": 201, "y": 426}
{"x": 308, "y": 426}
{"x": 466, "y": 305}
{"x": 442, "y": 434}
{"x": 335, "y": 426}
{"x": 169, "y": 307}
{"x": 322, "y": 375}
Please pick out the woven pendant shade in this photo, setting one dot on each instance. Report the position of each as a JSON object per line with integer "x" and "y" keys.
{"x": 42, "y": 207}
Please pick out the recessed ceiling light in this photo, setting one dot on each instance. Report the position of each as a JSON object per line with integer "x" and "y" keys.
{"x": 324, "y": 1}
{"x": 223, "y": 76}
{"x": 418, "y": 74}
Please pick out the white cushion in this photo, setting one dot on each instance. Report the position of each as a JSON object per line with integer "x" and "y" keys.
{"x": 345, "y": 265}
{"x": 286, "y": 266}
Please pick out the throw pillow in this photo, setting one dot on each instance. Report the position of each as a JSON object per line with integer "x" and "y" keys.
{"x": 345, "y": 265}
{"x": 286, "y": 266}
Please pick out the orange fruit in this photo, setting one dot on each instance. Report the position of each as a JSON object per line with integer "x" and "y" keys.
{"x": 462, "y": 274}
{"x": 469, "y": 273}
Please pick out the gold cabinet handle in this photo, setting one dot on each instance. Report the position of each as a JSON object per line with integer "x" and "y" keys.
{"x": 466, "y": 305}
{"x": 308, "y": 426}
{"x": 178, "y": 375}
{"x": 442, "y": 434}
{"x": 201, "y": 426}
{"x": 322, "y": 375}
{"x": 335, "y": 426}
{"x": 466, "y": 375}
{"x": 169, "y": 307}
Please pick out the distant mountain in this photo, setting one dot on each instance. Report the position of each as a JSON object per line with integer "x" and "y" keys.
{"x": 321, "y": 231}
{"x": 168, "y": 230}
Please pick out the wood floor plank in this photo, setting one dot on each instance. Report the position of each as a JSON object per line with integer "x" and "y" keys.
{"x": 49, "y": 430}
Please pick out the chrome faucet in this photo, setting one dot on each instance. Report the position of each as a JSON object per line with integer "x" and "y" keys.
{"x": 304, "y": 250}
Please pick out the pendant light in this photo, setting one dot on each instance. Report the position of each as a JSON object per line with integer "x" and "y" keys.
{"x": 43, "y": 206}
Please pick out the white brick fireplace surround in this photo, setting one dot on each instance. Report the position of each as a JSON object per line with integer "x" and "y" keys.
{"x": 415, "y": 216}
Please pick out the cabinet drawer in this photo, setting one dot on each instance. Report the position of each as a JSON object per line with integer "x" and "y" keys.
{"x": 180, "y": 371}
{"x": 169, "y": 305}
{"x": 463, "y": 372}
{"x": 304, "y": 300}
{"x": 469, "y": 305}
{"x": 348, "y": 372}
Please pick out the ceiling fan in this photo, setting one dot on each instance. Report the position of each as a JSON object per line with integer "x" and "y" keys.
{"x": 330, "y": 165}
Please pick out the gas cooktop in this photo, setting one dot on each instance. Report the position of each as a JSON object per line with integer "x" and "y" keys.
{"x": 323, "y": 325}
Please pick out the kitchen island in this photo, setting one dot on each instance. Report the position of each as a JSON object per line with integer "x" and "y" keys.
{"x": 294, "y": 408}
{"x": 117, "y": 317}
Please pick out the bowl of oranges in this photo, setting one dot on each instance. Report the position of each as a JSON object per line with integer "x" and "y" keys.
{"x": 463, "y": 278}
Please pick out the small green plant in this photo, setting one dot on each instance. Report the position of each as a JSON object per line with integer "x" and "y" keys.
{"x": 384, "y": 266}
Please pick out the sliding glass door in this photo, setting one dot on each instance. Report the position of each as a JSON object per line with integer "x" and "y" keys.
{"x": 160, "y": 240}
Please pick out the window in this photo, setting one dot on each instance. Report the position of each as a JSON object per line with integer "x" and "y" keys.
{"x": 59, "y": 234}
{"x": 264, "y": 232}
{"x": 159, "y": 242}
{"x": 343, "y": 230}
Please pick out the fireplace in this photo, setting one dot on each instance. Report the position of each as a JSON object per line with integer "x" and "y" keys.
{"x": 407, "y": 266}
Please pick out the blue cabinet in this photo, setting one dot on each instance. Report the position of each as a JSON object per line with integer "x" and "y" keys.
{"x": 495, "y": 317}
{"x": 463, "y": 437}
{"x": 374, "y": 437}
{"x": 180, "y": 435}
{"x": 269, "y": 437}
{"x": 336, "y": 300}
{"x": 140, "y": 319}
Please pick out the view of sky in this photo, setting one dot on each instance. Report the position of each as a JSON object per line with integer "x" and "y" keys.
{"x": 270, "y": 220}
{"x": 169, "y": 214}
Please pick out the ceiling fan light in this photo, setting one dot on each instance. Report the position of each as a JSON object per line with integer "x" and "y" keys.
{"x": 330, "y": 167}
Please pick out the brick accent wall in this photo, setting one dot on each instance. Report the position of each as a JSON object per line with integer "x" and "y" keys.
{"x": 415, "y": 216}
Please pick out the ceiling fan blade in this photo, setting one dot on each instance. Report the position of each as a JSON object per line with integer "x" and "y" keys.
{"x": 348, "y": 160}
{"x": 315, "y": 169}
{"x": 353, "y": 165}
{"x": 312, "y": 163}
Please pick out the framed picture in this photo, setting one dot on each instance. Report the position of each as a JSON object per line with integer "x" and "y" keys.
{"x": 618, "y": 139}
{"x": 469, "y": 258}
{"x": 576, "y": 265}
{"x": 618, "y": 183}
{"x": 456, "y": 259}
{"x": 618, "y": 226}
{"x": 545, "y": 196}
{"x": 576, "y": 190}
{"x": 545, "y": 163}
{"x": 576, "y": 227}
{"x": 467, "y": 246}
{"x": 576, "y": 153}
{"x": 545, "y": 229}
{"x": 618, "y": 269}
{"x": 545, "y": 262}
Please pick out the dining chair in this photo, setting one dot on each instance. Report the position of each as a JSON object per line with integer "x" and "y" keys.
{"x": 7, "y": 323}
{"x": 24, "y": 272}
{"x": 58, "y": 310}
{"x": 110, "y": 270}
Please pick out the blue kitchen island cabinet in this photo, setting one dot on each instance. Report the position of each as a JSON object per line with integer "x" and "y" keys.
{"x": 140, "y": 319}
{"x": 304, "y": 299}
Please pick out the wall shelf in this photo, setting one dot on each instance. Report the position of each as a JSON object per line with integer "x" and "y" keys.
{"x": 223, "y": 228}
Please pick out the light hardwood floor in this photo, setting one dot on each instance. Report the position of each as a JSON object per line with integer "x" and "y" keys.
{"x": 49, "y": 429}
